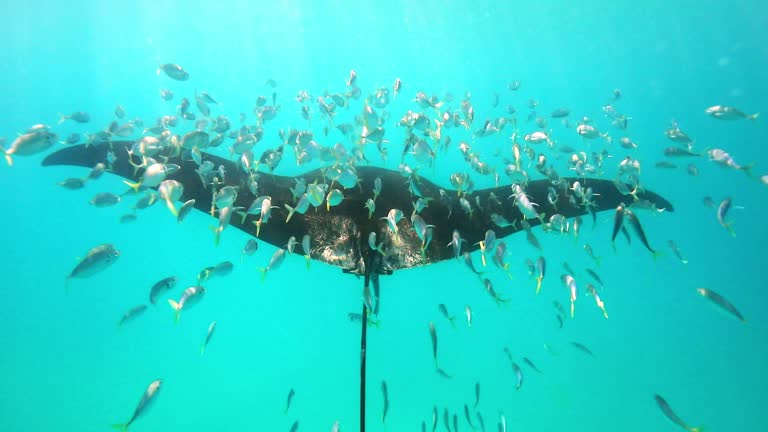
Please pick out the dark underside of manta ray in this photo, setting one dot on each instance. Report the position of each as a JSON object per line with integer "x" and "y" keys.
{"x": 340, "y": 237}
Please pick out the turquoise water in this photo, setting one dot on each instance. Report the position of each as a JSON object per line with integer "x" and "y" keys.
{"x": 65, "y": 365}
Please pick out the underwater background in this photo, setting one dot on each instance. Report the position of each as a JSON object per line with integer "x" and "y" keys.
{"x": 66, "y": 366}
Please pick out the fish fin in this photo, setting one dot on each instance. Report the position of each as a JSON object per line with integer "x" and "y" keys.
{"x": 134, "y": 186}
{"x": 123, "y": 427}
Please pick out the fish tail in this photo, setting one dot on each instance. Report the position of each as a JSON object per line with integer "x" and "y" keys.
{"x": 134, "y": 186}
{"x": 729, "y": 227}
{"x": 258, "y": 227}
{"x": 657, "y": 255}
{"x": 172, "y": 208}
{"x": 216, "y": 235}
{"x": 66, "y": 285}
{"x": 62, "y": 118}
{"x": 597, "y": 261}
{"x": 695, "y": 429}
{"x": 748, "y": 170}
{"x": 263, "y": 273}
{"x": 500, "y": 301}
{"x": 538, "y": 284}
{"x": 291, "y": 210}
{"x": 202, "y": 349}
{"x": 573, "y": 309}
{"x": 482, "y": 258}
{"x": 753, "y": 116}
{"x": 243, "y": 215}
{"x": 308, "y": 259}
{"x": 176, "y": 307}
{"x": 8, "y": 159}
{"x": 123, "y": 427}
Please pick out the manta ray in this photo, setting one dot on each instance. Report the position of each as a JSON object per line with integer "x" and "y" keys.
{"x": 339, "y": 236}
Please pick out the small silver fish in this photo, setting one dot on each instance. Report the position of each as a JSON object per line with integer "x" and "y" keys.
{"x": 722, "y": 211}
{"x": 161, "y": 286}
{"x": 104, "y": 199}
{"x": 305, "y": 246}
{"x": 189, "y": 297}
{"x": 370, "y": 204}
{"x": 97, "y": 259}
{"x": 729, "y": 113}
{"x": 251, "y": 246}
{"x": 185, "y": 209}
{"x": 73, "y": 183}
{"x": 274, "y": 263}
{"x": 173, "y": 71}
{"x": 456, "y": 241}
{"x": 676, "y": 251}
{"x": 132, "y": 313}
{"x": 146, "y": 400}
{"x": 208, "y": 336}
{"x": 468, "y": 314}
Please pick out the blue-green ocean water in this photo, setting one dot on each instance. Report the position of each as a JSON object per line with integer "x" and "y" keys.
{"x": 65, "y": 366}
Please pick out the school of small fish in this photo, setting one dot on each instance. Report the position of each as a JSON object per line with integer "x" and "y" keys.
{"x": 363, "y": 121}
